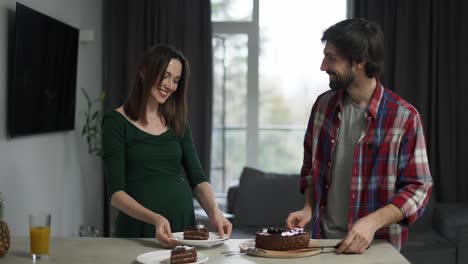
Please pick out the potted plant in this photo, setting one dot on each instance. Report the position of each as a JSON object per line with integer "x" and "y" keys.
{"x": 4, "y": 232}
{"x": 92, "y": 126}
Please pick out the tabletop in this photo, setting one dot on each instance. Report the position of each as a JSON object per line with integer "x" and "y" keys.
{"x": 81, "y": 250}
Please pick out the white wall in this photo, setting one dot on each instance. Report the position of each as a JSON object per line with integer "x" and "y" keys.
{"x": 53, "y": 172}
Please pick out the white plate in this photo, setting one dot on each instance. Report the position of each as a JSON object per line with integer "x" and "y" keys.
{"x": 163, "y": 257}
{"x": 213, "y": 239}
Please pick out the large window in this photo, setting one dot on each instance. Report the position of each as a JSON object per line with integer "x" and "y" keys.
{"x": 266, "y": 57}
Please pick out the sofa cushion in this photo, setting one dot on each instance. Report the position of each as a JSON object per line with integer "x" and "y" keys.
{"x": 449, "y": 217}
{"x": 425, "y": 222}
{"x": 232, "y": 194}
{"x": 462, "y": 244}
{"x": 266, "y": 199}
{"x": 244, "y": 232}
{"x": 429, "y": 247}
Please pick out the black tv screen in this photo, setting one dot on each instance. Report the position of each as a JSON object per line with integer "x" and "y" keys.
{"x": 42, "y": 85}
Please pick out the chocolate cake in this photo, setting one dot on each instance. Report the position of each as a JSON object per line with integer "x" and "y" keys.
{"x": 198, "y": 232}
{"x": 183, "y": 254}
{"x": 275, "y": 238}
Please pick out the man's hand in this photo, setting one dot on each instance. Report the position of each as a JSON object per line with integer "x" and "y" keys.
{"x": 299, "y": 219}
{"x": 359, "y": 237}
{"x": 362, "y": 233}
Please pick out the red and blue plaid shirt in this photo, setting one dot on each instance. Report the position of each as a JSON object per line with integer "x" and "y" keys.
{"x": 390, "y": 164}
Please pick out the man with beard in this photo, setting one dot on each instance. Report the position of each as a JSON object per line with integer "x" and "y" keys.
{"x": 365, "y": 172}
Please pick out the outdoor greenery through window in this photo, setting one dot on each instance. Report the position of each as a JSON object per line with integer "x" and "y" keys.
{"x": 266, "y": 58}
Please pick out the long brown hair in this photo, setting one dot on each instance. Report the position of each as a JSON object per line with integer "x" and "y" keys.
{"x": 151, "y": 71}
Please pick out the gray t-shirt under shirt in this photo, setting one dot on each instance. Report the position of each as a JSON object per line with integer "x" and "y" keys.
{"x": 335, "y": 217}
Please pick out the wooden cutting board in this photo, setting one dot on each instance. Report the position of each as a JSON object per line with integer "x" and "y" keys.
{"x": 301, "y": 253}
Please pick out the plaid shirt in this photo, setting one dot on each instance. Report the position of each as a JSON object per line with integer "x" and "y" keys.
{"x": 390, "y": 164}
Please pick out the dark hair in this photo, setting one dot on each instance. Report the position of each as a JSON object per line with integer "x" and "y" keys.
{"x": 357, "y": 40}
{"x": 151, "y": 71}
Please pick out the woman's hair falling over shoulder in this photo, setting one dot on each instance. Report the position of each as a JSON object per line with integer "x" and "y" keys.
{"x": 150, "y": 71}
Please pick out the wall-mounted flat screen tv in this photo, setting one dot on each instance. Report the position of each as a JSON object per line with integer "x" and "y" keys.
{"x": 42, "y": 84}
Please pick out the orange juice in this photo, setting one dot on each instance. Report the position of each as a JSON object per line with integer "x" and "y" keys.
{"x": 39, "y": 236}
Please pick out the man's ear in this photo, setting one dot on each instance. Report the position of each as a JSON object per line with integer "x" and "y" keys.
{"x": 360, "y": 64}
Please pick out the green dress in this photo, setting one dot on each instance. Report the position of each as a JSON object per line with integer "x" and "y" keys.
{"x": 149, "y": 169}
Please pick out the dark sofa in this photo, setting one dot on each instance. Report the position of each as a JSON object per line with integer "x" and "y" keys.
{"x": 439, "y": 236}
{"x": 265, "y": 199}
{"x": 262, "y": 200}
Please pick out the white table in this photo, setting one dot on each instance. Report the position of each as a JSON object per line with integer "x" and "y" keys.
{"x": 76, "y": 250}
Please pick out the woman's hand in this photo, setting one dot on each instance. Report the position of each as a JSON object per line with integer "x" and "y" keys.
{"x": 163, "y": 232}
{"x": 221, "y": 224}
{"x": 125, "y": 203}
{"x": 206, "y": 198}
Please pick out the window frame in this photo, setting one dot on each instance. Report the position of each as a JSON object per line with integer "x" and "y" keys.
{"x": 251, "y": 29}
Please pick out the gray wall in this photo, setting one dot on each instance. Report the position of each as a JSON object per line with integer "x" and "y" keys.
{"x": 53, "y": 172}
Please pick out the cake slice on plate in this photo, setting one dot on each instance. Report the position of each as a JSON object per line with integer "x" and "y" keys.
{"x": 183, "y": 254}
{"x": 197, "y": 232}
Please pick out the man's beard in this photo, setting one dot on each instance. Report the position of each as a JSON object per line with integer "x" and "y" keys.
{"x": 341, "y": 81}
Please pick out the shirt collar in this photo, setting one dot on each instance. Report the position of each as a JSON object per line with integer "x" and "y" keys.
{"x": 339, "y": 96}
{"x": 376, "y": 98}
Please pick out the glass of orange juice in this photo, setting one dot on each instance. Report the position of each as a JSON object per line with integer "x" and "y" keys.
{"x": 39, "y": 234}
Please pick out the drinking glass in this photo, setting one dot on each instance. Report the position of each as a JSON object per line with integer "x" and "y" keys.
{"x": 88, "y": 231}
{"x": 39, "y": 234}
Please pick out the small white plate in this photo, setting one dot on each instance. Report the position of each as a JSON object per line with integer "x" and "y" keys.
{"x": 164, "y": 257}
{"x": 213, "y": 239}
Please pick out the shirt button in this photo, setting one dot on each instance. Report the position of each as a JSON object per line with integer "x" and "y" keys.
{"x": 329, "y": 164}
{"x": 333, "y": 141}
{"x": 322, "y": 207}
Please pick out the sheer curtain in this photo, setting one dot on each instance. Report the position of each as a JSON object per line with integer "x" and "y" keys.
{"x": 425, "y": 62}
{"x": 132, "y": 26}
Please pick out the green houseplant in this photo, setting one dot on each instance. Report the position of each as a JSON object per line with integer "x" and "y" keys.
{"x": 4, "y": 232}
{"x": 92, "y": 131}
{"x": 92, "y": 125}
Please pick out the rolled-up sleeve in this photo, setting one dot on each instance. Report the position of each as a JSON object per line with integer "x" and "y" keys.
{"x": 414, "y": 181}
